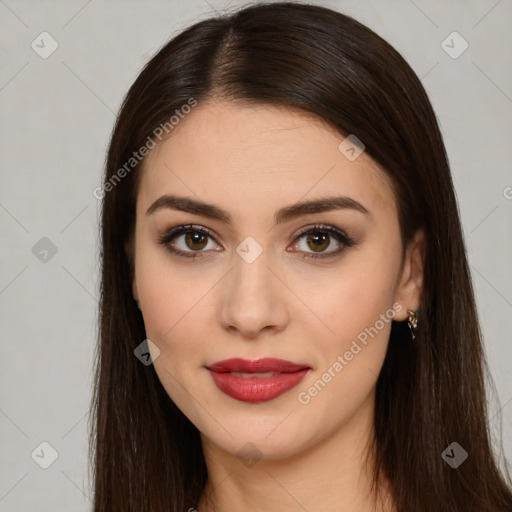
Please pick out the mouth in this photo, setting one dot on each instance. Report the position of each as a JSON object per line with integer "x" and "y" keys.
{"x": 256, "y": 381}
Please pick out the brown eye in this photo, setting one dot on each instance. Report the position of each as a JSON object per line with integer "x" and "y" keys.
{"x": 318, "y": 242}
{"x": 320, "y": 238}
{"x": 195, "y": 240}
{"x": 188, "y": 241}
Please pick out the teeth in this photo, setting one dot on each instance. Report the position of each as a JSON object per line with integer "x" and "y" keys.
{"x": 260, "y": 375}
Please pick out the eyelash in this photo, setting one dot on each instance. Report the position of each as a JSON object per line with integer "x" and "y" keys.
{"x": 339, "y": 235}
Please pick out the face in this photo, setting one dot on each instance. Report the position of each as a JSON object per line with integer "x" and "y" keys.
{"x": 260, "y": 275}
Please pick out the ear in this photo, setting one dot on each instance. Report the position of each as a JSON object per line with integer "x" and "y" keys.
{"x": 409, "y": 287}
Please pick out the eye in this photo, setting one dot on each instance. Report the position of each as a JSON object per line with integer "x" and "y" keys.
{"x": 192, "y": 237}
{"x": 319, "y": 237}
{"x": 196, "y": 238}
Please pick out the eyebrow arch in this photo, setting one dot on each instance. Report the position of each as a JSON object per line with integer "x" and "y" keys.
{"x": 325, "y": 204}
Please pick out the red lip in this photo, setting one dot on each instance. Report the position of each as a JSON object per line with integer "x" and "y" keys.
{"x": 256, "y": 389}
{"x": 266, "y": 364}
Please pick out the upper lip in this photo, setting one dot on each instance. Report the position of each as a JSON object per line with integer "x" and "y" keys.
{"x": 266, "y": 364}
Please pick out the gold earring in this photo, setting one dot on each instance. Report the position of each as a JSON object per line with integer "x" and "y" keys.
{"x": 412, "y": 322}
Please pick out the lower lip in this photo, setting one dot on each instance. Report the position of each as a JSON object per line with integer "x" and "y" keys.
{"x": 257, "y": 389}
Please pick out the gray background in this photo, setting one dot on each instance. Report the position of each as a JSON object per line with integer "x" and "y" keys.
{"x": 56, "y": 117}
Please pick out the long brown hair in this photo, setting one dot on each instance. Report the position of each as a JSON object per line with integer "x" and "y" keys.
{"x": 146, "y": 455}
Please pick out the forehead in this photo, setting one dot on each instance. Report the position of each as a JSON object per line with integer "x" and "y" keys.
{"x": 254, "y": 157}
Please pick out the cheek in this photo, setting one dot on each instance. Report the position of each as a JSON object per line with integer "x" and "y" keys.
{"x": 358, "y": 311}
{"x": 168, "y": 295}
{"x": 356, "y": 305}
{"x": 355, "y": 300}
{"x": 171, "y": 311}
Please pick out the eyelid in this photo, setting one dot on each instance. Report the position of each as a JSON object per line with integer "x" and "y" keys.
{"x": 181, "y": 229}
{"x": 340, "y": 235}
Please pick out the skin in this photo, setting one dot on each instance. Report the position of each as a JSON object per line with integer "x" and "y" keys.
{"x": 251, "y": 161}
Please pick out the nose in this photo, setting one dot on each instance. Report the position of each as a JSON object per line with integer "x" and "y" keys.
{"x": 253, "y": 298}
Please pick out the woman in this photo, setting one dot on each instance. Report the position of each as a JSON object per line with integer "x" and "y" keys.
{"x": 281, "y": 240}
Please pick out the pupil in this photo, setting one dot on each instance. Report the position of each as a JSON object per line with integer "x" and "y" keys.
{"x": 195, "y": 238}
{"x": 318, "y": 240}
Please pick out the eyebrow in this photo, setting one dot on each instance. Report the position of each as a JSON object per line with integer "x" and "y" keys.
{"x": 325, "y": 204}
